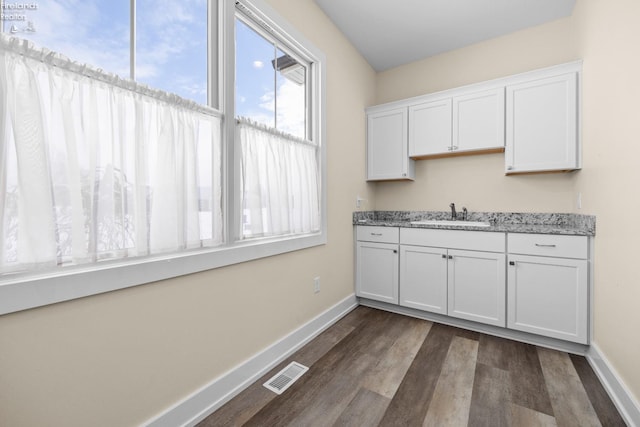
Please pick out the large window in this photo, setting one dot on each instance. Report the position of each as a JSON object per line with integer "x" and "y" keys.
{"x": 107, "y": 183}
{"x": 279, "y": 155}
{"x": 160, "y": 43}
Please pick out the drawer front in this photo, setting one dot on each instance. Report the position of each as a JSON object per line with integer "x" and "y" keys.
{"x": 548, "y": 245}
{"x": 455, "y": 239}
{"x": 377, "y": 234}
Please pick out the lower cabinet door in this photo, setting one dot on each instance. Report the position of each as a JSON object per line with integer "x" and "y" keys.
{"x": 377, "y": 271}
{"x": 548, "y": 296}
{"x": 423, "y": 278}
{"x": 477, "y": 288}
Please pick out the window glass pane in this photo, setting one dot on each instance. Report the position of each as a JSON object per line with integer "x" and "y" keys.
{"x": 255, "y": 95}
{"x": 95, "y": 32}
{"x": 171, "y": 46}
{"x": 290, "y": 95}
{"x": 270, "y": 84}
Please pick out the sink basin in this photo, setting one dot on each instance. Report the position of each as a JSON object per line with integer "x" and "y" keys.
{"x": 452, "y": 223}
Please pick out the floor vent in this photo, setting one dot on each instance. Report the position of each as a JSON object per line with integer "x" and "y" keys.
{"x": 285, "y": 378}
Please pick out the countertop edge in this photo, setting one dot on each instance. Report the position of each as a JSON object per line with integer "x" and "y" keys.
{"x": 546, "y": 223}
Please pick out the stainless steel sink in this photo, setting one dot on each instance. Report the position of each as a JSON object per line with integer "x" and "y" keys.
{"x": 450, "y": 223}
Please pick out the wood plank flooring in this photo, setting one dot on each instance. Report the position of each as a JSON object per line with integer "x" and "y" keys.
{"x": 374, "y": 368}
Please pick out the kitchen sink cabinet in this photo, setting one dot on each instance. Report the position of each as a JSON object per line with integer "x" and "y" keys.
{"x": 423, "y": 278}
{"x": 454, "y": 273}
{"x": 476, "y": 286}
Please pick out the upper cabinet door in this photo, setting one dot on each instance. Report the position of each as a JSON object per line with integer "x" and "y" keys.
{"x": 478, "y": 121}
{"x": 430, "y": 128}
{"x": 542, "y": 125}
{"x": 387, "y": 152}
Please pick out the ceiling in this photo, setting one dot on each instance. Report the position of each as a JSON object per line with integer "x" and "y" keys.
{"x": 389, "y": 33}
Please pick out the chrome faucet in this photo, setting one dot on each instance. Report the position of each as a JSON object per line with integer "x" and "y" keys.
{"x": 454, "y": 215}
{"x": 465, "y": 213}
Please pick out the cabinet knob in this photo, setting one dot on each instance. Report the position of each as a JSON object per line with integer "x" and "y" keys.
{"x": 509, "y": 168}
{"x": 450, "y": 256}
{"x": 512, "y": 263}
{"x": 395, "y": 251}
{"x": 444, "y": 256}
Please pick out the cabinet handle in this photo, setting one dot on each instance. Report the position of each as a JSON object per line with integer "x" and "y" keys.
{"x": 509, "y": 168}
{"x": 444, "y": 256}
{"x": 545, "y": 246}
{"x": 449, "y": 148}
{"x": 450, "y": 256}
{"x": 376, "y": 234}
{"x": 454, "y": 148}
{"x": 512, "y": 263}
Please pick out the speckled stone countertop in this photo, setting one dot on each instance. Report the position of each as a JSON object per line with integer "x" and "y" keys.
{"x": 510, "y": 222}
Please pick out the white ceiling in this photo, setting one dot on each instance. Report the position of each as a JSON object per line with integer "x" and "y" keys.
{"x": 389, "y": 33}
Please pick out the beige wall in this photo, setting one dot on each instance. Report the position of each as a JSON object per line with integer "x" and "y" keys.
{"x": 605, "y": 34}
{"x": 121, "y": 358}
{"x": 478, "y": 182}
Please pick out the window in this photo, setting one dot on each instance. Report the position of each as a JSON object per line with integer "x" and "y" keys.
{"x": 130, "y": 184}
{"x": 162, "y": 44}
{"x": 280, "y": 178}
{"x": 271, "y": 85}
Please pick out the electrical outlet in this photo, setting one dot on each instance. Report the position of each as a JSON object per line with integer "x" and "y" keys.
{"x": 316, "y": 285}
{"x": 579, "y": 200}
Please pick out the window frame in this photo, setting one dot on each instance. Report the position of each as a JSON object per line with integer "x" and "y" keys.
{"x": 32, "y": 289}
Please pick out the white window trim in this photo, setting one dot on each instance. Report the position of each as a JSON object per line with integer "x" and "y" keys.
{"x": 30, "y": 290}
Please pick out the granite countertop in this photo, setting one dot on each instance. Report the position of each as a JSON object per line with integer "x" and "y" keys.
{"x": 509, "y": 222}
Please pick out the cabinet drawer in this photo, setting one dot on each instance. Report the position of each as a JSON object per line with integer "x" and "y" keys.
{"x": 377, "y": 234}
{"x": 455, "y": 239}
{"x": 548, "y": 245}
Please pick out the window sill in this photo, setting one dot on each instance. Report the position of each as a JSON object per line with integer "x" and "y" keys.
{"x": 22, "y": 293}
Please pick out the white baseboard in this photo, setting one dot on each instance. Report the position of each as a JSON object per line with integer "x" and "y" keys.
{"x": 624, "y": 400}
{"x": 205, "y": 401}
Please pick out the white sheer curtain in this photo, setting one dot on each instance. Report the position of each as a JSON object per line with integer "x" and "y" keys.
{"x": 280, "y": 182}
{"x": 95, "y": 167}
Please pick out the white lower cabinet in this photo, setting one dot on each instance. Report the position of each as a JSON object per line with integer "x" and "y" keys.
{"x": 377, "y": 263}
{"x": 476, "y": 288}
{"x": 543, "y": 288}
{"x": 457, "y": 273}
{"x": 423, "y": 278}
{"x": 465, "y": 284}
{"x": 549, "y": 295}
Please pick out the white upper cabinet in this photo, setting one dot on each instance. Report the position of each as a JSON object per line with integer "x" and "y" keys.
{"x": 387, "y": 150}
{"x": 533, "y": 117}
{"x": 542, "y": 124}
{"x": 430, "y": 128}
{"x": 461, "y": 124}
{"x": 478, "y": 121}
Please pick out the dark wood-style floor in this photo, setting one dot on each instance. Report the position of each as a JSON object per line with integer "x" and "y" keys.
{"x": 377, "y": 368}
